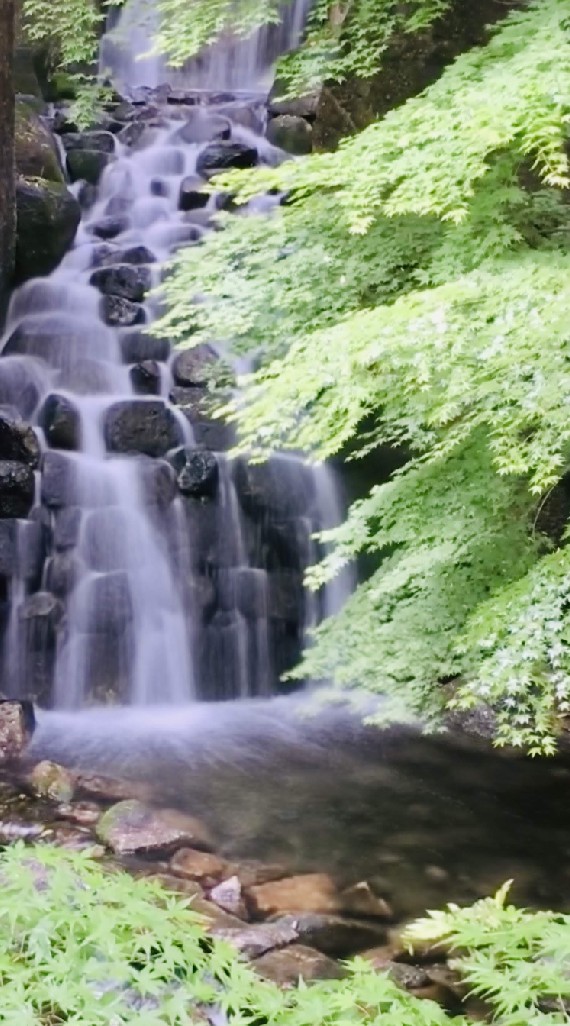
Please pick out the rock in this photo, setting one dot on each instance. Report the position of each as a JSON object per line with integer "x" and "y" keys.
{"x": 57, "y": 480}
{"x": 21, "y": 549}
{"x": 104, "y": 142}
{"x": 145, "y": 378}
{"x": 195, "y": 367}
{"x": 109, "y": 789}
{"x": 244, "y": 115}
{"x": 290, "y": 133}
{"x": 127, "y": 280}
{"x": 40, "y": 616}
{"x": 297, "y": 962}
{"x": 229, "y": 897}
{"x": 36, "y": 152}
{"x": 202, "y": 128}
{"x": 132, "y": 134}
{"x": 285, "y": 487}
{"x": 47, "y": 219}
{"x": 141, "y": 425}
{"x": 121, "y": 313}
{"x": 109, "y": 227}
{"x": 17, "y": 488}
{"x": 84, "y": 814}
{"x": 132, "y": 828}
{"x": 106, "y": 537}
{"x": 106, "y": 604}
{"x": 60, "y": 340}
{"x": 137, "y": 347}
{"x": 221, "y": 156}
{"x": 16, "y": 728}
{"x": 190, "y": 197}
{"x": 49, "y": 780}
{"x": 19, "y": 385}
{"x": 159, "y": 483}
{"x": 251, "y": 872}
{"x": 87, "y": 195}
{"x": 361, "y": 900}
{"x": 311, "y": 892}
{"x": 189, "y": 888}
{"x": 18, "y": 440}
{"x": 61, "y": 422}
{"x": 62, "y": 572}
{"x": 255, "y": 940}
{"x": 198, "y": 476}
{"x": 87, "y": 165}
{"x": 296, "y": 106}
{"x": 137, "y": 255}
{"x": 409, "y": 977}
{"x": 204, "y": 867}
{"x": 66, "y": 528}
{"x": 336, "y": 935}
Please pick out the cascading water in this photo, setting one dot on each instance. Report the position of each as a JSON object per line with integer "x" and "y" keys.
{"x": 165, "y": 571}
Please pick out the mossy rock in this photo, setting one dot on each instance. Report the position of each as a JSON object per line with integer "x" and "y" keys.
{"x": 36, "y": 150}
{"x": 47, "y": 219}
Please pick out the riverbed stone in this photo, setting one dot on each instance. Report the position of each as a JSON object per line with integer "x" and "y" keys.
{"x": 109, "y": 790}
{"x": 132, "y": 828}
{"x": 145, "y": 426}
{"x": 338, "y": 936}
{"x": 137, "y": 255}
{"x": 18, "y": 440}
{"x": 119, "y": 312}
{"x": 310, "y": 892}
{"x": 296, "y": 962}
{"x": 204, "y": 867}
{"x": 228, "y": 895}
{"x": 290, "y": 133}
{"x": 87, "y": 165}
{"x": 47, "y": 219}
{"x": 221, "y": 156}
{"x": 15, "y": 730}
{"x": 17, "y": 488}
{"x": 138, "y": 346}
{"x": 60, "y": 420}
{"x": 254, "y": 940}
{"x": 85, "y": 814}
{"x": 130, "y": 281}
{"x": 50, "y": 780}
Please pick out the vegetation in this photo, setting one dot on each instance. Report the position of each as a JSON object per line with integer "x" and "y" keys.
{"x": 89, "y": 947}
{"x": 412, "y": 292}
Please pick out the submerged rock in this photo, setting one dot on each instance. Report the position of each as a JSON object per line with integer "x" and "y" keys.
{"x": 19, "y": 386}
{"x": 57, "y": 479}
{"x": 17, "y": 488}
{"x": 191, "y": 197}
{"x": 47, "y": 219}
{"x": 204, "y": 867}
{"x": 49, "y": 780}
{"x": 195, "y": 367}
{"x": 132, "y": 828}
{"x": 255, "y": 940}
{"x": 336, "y": 935}
{"x": 141, "y": 425}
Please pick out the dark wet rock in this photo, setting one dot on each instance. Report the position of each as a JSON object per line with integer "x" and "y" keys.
{"x": 18, "y": 440}
{"x": 195, "y": 367}
{"x": 361, "y": 900}
{"x": 49, "y": 780}
{"x": 87, "y": 195}
{"x": 106, "y": 535}
{"x": 47, "y": 219}
{"x": 290, "y": 133}
{"x": 191, "y": 197}
{"x": 244, "y": 589}
{"x": 221, "y": 156}
{"x": 19, "y": 386}
{"x": 134, "y": 828}
{"x": 295, "y": 106}
{"x": 204, "y": 867}
{"x": 36, "y": 152}
{"x": 145, "y": 377}
{"x": 202, "y": 596}
{"x": 127, "y": 280}
{"x": 228, "y": 896}
{"x": 107, "y": 604}
{"x": 86, "y": 165}
{"x": 137, "y": 255}
{"x": 338, "y": 936}
{"x": 138, "y": 346}
{"x": 74, "y": 838}
{"x": 109, "y": 227}
{"x": 62, "y": 572}
{"x": 67, "y": 523}
{"x": 197, "y": 471}
{"x": 255, "y": 940}
{"x": 17, "y": 486}
{"x": 284, "y": 595}
{"x": 57, "y": 479}
{"x": 288, "y": 965}
{"x": 21, "y": 548}
{"x": 40, "y": 617}
{"x": 61, "y": 123}
{"x": 61, "y": 422}
{"x": 15, "y": 730}
{"x": 105, "y": 253}
{"x": 282, "y": 486}
{"x": 118, "y": 312}
{"x": 104, "y": 142}
{"x": 203, "y": 128}
{"x": 132, "y": 134}
{"x": 140, "y": 425}
{"x": 158, "y": 187}
{"x": 409, "y": 977}
{"x": 159, "y": 483}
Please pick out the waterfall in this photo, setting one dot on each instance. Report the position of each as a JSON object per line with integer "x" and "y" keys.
{"x": 153, "y": 569}
{"x": 233, "y": 63}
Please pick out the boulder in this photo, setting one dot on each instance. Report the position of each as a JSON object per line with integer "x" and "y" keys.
{"x": 104, "y": 142}
{"x": 203, "y": 128}
{"x": 290, "y": 133}
{"x": 245, "y": 115}
{"x": 47, "y": 219}
{"x": 130, "y": 281}
{"x": 195, "y": 367}
{"x": 36, "y": 152}
{"x": 16, "y": 728}
{"x": 197, "y": 471}
{"x": 284, "y": 486}
{"x": 132, "y": 134}
{"x": 49, "y": 780}
{"x": 204, "y": 867}
{"x": 137, "y": 255}
{"x": 145, "y": 378}
{"x": 191, "y": 197}
{"x": 145, "y": 426}
{"x": 87, "y": 165}
{"x": 138, "y": 346}
{"x": 221, "y": 156}
{"x": 228, "y": 895}
{"x": 296, "y": 962}
{"x": 118, "y": 312}
{"x": 17, "y": 488}
{"x": 60, "y": 420}
{"x": 18, "y": 440}
{"x": 67, "y": 524}
{"x": 19, "y": 385}
{"x": 133, "y": 828}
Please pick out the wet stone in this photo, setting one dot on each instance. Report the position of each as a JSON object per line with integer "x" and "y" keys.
{"x": 107, "y": 604}
{"x": 119, "y": 312}
{"x": 102, "y": 141}
{"x": 84, "y": 814}
{"x": 203, "y": 128}
{"x": 338, "y": 936}
{"x": 138, "y": 346}
{"x": 66, "y": 528}
{"x": 61, "y": 422}
{"x": 198, "y": 477}
{"x": 105, "y": 542}
{"x": 18, "y": 386}
{"x": 17, "y": 487}
{"x": 145, "y": 378}
{"x": 134, "y": 828}
{"x": 137, "y": 255}
{"x": 297, "y": 962}
{"x": 15, "y": 730}
{"x": 86, "y": 165}
{"x": 191, "y": 197}
{"x": 109, "y": 789}
{"x": 194, "y": 367}
{"x": 228, "y": 895}
{"x": 221, "y": 156}
{"x": 141, "y": 425}
{"x": 21, "y": 548}
{"x": 18, "y": 440}
{"x": 290, "y": 133}
{"x": 159, "y": 483}
{"x": 109, "y": 227}
{"x": 49, "y": 780}
{"x": 127, "y": 280}
{"x": 255, "y": 940}
{"x": 206, "y": 868}
{"x": 57, "y": 480}
{"x": 62, "y": 573}
{"x": 40, "y": 616}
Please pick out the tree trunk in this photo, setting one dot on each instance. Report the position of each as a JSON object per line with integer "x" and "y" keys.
{"x": 7, "y": 172}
